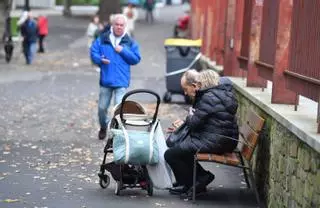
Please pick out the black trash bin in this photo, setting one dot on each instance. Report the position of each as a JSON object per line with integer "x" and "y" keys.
{"x": 182, "y": 54}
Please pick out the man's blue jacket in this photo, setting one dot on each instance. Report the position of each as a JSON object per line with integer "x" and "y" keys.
{"x": 117, "y": 72}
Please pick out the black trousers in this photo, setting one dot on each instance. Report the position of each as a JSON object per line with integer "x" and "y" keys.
{"x": 41, "y": 39}
{"x": 181, "y": 163}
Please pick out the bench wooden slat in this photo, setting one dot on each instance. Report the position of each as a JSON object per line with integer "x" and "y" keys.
{"x": 254, "y": 121}
{"x": 250, "y": 138}
{"x": 228, "y": 158}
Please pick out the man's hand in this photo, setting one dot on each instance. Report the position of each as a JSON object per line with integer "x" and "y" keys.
{"x": 170, "y": 130}
{"x": 105, "y": 61}
{"x": 118, "y": 48}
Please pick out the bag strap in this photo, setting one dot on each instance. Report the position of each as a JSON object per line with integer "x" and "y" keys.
{"x": 126, "y": 137}
{"x": 151, "y": 139}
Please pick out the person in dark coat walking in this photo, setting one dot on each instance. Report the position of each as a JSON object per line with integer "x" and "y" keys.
{"x": 29, "y": 33}
{"x": 212, "y": 116}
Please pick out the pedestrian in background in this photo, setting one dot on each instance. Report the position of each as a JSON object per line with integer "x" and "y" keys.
{"x": 92, "y": 28}
{"x": 42, "y": 31}
{"x": 149, "y": 6}
{"x": 131, "y": 13}
{"x": 30, "y": 34}
{"x": 7, "y": 40}
{"x": 114, "y": 52}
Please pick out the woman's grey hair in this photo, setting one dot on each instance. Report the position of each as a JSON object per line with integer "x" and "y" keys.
{"x": 191, "y": 76}
{"x": 114, "y": 17}
{"x": 208, "y": 78}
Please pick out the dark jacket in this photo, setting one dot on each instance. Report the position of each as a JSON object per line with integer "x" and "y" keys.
{"x": 214, "y": 115}
{"x": 29, "y": 31}
{"x": 117, "y": 73}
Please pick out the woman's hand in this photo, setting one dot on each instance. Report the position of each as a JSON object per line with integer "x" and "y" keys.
{"x": 175, "y": 125}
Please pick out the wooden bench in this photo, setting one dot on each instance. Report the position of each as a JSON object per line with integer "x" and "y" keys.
{"x": 241, "y": 157}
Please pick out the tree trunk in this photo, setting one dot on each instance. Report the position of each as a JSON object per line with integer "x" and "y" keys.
{"x": 108, "y": 7}
{"x": 26, "y": 5}
{"x": 66, "y": 8}
{"x": 4, "y": 12}
{"x": 2, "y": 20}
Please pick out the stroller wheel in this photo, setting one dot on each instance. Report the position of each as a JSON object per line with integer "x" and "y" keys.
{"x": 104, "y": 181}
{"x": 118, "y": 188}
{"x": 150, "y": 188}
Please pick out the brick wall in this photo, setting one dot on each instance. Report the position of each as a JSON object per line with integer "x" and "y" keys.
{"x": 287, "y": 169}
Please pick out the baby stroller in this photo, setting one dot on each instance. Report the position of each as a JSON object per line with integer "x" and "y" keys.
{"x": 132, "y": 116}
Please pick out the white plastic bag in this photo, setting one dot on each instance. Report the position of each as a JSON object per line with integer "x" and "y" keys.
{"x": 160, "y": 174}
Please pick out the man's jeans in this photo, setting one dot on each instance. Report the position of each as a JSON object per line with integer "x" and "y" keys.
{"x": 29, "y": 49}
{"x": 105, "y": 96}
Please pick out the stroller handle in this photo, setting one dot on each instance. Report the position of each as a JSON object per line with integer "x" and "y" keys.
{"x": 137, "y": 91}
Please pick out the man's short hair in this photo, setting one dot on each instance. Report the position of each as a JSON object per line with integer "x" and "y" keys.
{"x": 113, "y": 18}
{"x": 191, "y": 76}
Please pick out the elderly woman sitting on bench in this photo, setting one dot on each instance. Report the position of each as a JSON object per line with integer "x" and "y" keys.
{"x": 212, "y": 116}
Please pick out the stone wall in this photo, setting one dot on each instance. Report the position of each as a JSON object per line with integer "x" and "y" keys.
{"x": 286, "y": 169}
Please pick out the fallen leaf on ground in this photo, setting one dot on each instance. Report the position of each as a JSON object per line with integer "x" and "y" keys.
{"x": 160, "y": 205}
{"x": 10, "y": 200}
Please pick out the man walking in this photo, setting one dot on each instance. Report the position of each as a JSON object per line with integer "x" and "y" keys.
{"x": 114, "y": 51}
{"x": 30, "y": 35}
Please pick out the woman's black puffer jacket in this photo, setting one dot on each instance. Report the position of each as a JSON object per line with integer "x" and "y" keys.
{"x": 214, "y": 115}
